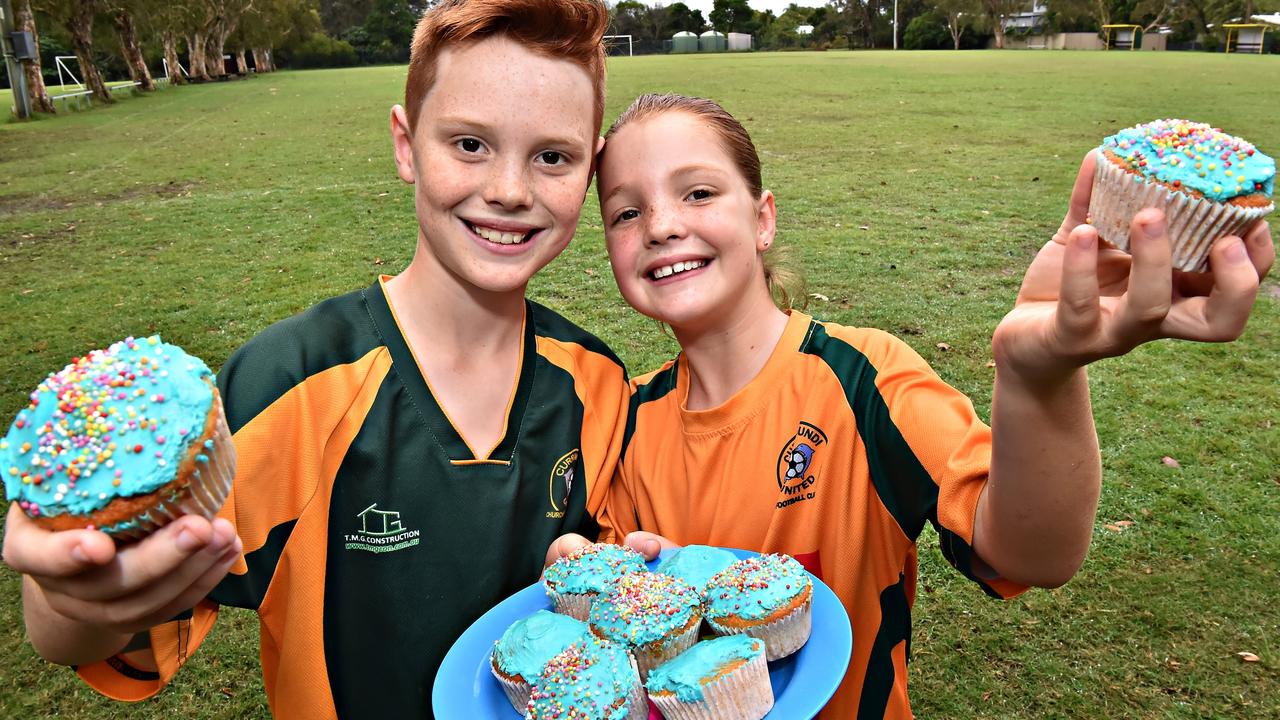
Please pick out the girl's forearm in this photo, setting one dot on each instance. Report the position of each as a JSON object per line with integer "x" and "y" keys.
{"x": 1035, "y": 517}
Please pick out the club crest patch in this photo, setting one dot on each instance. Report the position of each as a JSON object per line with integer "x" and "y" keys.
{"x": 798, "y": 464}
{"x": 561, "y": 482}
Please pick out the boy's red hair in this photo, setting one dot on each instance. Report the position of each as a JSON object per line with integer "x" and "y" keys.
{"x": 566, "y": 29}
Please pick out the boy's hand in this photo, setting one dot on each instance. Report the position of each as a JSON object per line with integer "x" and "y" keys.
{"x": 82, "y": 575}
{"x": 1080, "y": 302}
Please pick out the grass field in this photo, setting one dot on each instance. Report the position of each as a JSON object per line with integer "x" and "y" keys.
{"x": 913, "y": 189}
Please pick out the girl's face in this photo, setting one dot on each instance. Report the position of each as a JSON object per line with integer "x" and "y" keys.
{"x": 684, "y": 232}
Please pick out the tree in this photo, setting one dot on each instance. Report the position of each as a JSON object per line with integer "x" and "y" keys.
{"x": 25, "y": 21}
{"x": 680, "y": 18}
{"x": 76, "y": 16}
{"x": 122, "y": 16}
{"x": 732, "y": 16}
{"x": 959, "y": 15}
{"x": 273, "y": 24}
{"x": 996, "y": 11}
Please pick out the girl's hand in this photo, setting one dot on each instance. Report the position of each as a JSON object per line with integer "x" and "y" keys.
{"x": 648, "y": 544}
{"x": 1080, "y": 302}
{"x": 564, "y": 546}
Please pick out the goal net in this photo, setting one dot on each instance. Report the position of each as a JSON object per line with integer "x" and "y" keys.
{"x": 618, "y": 45}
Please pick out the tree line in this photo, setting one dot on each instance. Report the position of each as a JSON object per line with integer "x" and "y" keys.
{"x": 206, "y": 40}
{"x": 927, "y": 24}
{"x": 129, "y": 37}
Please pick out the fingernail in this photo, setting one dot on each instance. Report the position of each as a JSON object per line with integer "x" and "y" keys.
{"x": 78, "y": 554}
{"x": 652, "y": 547}
{"x": 1236, "y": 252}
{"x": 1084, "y": 240}
{"x": 1154, "y": 230}
{"x": 187, "y": 541}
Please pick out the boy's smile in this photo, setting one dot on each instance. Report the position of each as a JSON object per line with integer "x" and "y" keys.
{"x": 501, "y": 160}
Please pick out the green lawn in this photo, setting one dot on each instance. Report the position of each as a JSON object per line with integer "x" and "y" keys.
{"x": 913, "y": 189}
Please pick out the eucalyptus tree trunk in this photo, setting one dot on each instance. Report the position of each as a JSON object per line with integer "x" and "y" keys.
{"x": 132, "y": 52}
{"x": 80, "y": 27}
{"x": 214, "y": 66}
{"x": 195, "y": 49}
{"x": 26, "y": 22}
{"x": 262, "y": 60}
{"x": 242, "y": 65}
{"x": 171, "y": 58}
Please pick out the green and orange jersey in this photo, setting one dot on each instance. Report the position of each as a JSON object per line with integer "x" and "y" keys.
{"x": 373, "y": 535}
{"x": 838, "y": 452}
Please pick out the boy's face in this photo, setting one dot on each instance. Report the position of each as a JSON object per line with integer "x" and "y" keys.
{"x": 501, "y": 159}
{"x": 683, "y": 230}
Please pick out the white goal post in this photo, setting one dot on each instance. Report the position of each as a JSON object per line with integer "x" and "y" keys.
{"x": 608, "y": 40}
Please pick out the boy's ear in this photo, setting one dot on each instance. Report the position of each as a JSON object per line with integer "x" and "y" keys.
{"x": 595, "y": 164}
{"x": 766, "y": 221}
{"x": 402, "y": 140}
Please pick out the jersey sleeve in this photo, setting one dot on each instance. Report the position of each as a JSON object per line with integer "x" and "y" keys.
{"x": 928, "y": 436}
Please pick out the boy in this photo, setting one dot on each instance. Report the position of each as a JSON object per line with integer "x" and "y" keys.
{"x": 401, "y": 448}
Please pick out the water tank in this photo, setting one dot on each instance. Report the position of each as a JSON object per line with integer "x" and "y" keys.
{"x": 684, "y": 42}
{"x": 712, "y": 41}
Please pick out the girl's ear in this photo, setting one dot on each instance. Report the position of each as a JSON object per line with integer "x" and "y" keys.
{"x": 402, "y": 140}
{"x": 766, "y": 221}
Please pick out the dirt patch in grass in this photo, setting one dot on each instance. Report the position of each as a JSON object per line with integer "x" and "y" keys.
{"x": 37, "y": 203}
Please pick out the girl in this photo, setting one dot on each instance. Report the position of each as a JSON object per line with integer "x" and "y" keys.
{"x": 776, "y": 432}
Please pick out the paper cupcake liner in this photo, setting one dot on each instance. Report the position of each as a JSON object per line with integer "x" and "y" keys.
{"x": 637, "y": 700}
{"x": 744, "y": 694}
{"x": 654, "y": 654}
{"x": 517, "y": 692}
{"x": 206, "y": 490}
{"x": 781, "y": 637}
{"x": 575, "y": 605}
{"x": 1194, "y": 223}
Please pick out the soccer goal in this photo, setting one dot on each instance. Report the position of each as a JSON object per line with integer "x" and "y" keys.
{"x": 614, "y": 44}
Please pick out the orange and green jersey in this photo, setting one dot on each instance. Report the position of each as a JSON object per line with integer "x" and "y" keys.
{"x": 373, "y": 535}
{"x": 837, "y": 453}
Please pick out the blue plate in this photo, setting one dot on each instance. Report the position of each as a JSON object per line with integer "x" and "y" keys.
{"x": 802, "y": 682}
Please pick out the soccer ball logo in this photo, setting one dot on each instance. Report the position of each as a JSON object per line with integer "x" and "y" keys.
{"x": 798, "y": 462}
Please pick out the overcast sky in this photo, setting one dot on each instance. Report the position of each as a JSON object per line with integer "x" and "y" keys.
{"x": 777, "y": 6}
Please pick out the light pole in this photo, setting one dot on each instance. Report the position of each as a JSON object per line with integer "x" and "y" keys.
{"x": 17, "y": 80}
{"x": 895, "y": 24}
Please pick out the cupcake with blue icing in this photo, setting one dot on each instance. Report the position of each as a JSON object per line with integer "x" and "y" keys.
{"x": 124, "y": 439}
{"x": 696, "y": 564}
{"x": 524, "y": 649}
{"x": 768, "y": 597}
{"x": 577, "y": 579}
{"x": 654, "y": 616}
{"x": 1207, "y": 182}
{"x": 592, "y": 679}
{"x": 725, "y": 678}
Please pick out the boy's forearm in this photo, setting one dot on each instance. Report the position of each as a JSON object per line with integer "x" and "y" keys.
{"x": 60, "y": 639}
{"x": 1035, "y": 517}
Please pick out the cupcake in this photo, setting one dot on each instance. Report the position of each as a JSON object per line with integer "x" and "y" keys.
{"x": 589, "y": 680}
{"x": 524, "y": 649}
{"x": 725, "y": 678}
{"x": 654, "y": 616}
{"x": 767, "y": 597}
{"x": 576, "y": 579}
{"x": 1208, "y": 183}
{"x": 696, "y": 564}
{"x": 123, "y": 440}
